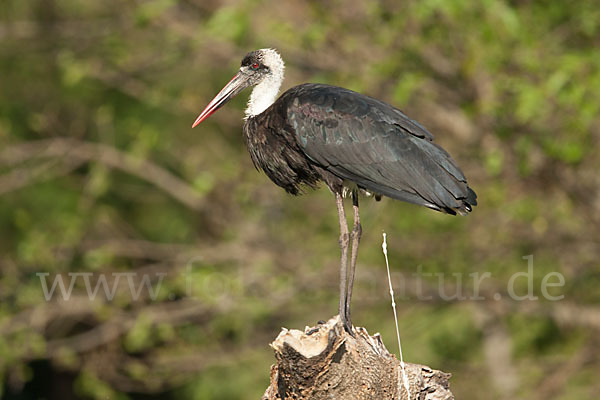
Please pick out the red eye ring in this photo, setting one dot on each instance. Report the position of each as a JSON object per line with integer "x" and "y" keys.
{"x": 255, "y": 66}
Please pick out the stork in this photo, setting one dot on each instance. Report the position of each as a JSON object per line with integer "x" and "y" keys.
{"x": 354, "y": 143}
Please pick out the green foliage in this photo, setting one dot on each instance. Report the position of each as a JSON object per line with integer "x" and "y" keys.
{"x": 90, "y": 387}
{"x": 535, "y": 335}
{"x": 456, "y": 337}
{"x": 139, "y": 337}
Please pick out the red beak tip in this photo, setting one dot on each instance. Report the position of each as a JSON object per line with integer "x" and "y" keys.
{"x": 197, "y": 122}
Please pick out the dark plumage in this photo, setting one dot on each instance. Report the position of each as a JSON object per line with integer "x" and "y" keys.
{"x": 320, "y": 132}
{"x": 352, "y": 142}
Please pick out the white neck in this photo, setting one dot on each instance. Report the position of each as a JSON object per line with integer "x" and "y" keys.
{"x": 262, "y": 97}
{"x": 265, "y": 93}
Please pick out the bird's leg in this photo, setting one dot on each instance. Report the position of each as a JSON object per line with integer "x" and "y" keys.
{"x": 344, "y": 240}
{"x": 356, "y": 233}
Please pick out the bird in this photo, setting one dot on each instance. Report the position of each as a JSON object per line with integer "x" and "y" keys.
{"x": 317, "y": 133}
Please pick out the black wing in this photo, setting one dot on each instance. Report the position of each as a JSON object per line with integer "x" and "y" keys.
{"x": 375, "y": 145}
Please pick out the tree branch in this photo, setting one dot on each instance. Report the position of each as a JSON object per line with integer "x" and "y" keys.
{"x": 109, "y": 156}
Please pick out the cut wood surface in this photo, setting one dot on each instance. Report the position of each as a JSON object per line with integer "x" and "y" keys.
{"x": 325, "y": 362}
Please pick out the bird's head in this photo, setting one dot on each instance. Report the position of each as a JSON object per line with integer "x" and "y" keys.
{"x": 262, "y": 67}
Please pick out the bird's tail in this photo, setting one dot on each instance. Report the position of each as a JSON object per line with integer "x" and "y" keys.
{"x": 467, "y": 204}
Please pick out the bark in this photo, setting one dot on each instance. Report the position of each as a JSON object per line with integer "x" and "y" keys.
{"x": 325, "y": 362}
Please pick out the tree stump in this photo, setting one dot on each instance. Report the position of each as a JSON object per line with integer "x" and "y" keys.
{"x": 325, "y": 362}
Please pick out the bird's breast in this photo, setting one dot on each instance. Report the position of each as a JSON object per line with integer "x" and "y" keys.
{"x": 274, "y": 150}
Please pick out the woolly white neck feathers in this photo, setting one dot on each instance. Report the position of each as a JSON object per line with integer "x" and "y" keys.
{"x": 265, "y": 93}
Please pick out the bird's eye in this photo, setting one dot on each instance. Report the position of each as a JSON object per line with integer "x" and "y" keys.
{"x": 255, "y": 66}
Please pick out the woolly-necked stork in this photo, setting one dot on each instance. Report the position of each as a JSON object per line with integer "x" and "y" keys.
{"x": 354, "y": 143}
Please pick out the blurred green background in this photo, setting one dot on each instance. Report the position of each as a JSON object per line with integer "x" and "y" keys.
{"x": 101, "y": 174}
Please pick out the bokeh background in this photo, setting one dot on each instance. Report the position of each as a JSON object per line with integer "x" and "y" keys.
{"x": 100, "y": 173}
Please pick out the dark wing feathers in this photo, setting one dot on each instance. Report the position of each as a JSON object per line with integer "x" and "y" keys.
{"x": 375, "y": 145}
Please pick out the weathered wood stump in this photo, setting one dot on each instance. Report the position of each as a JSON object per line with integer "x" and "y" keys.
{"x": 325, "y": 362}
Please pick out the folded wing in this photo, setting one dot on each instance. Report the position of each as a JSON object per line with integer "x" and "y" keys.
{"x": 376, "y": 146}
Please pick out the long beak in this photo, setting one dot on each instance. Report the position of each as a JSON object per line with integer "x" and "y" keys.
{"x": 238, "y": 83}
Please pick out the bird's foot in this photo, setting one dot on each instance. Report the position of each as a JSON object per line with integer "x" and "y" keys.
{"x": 348, "y": 326}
